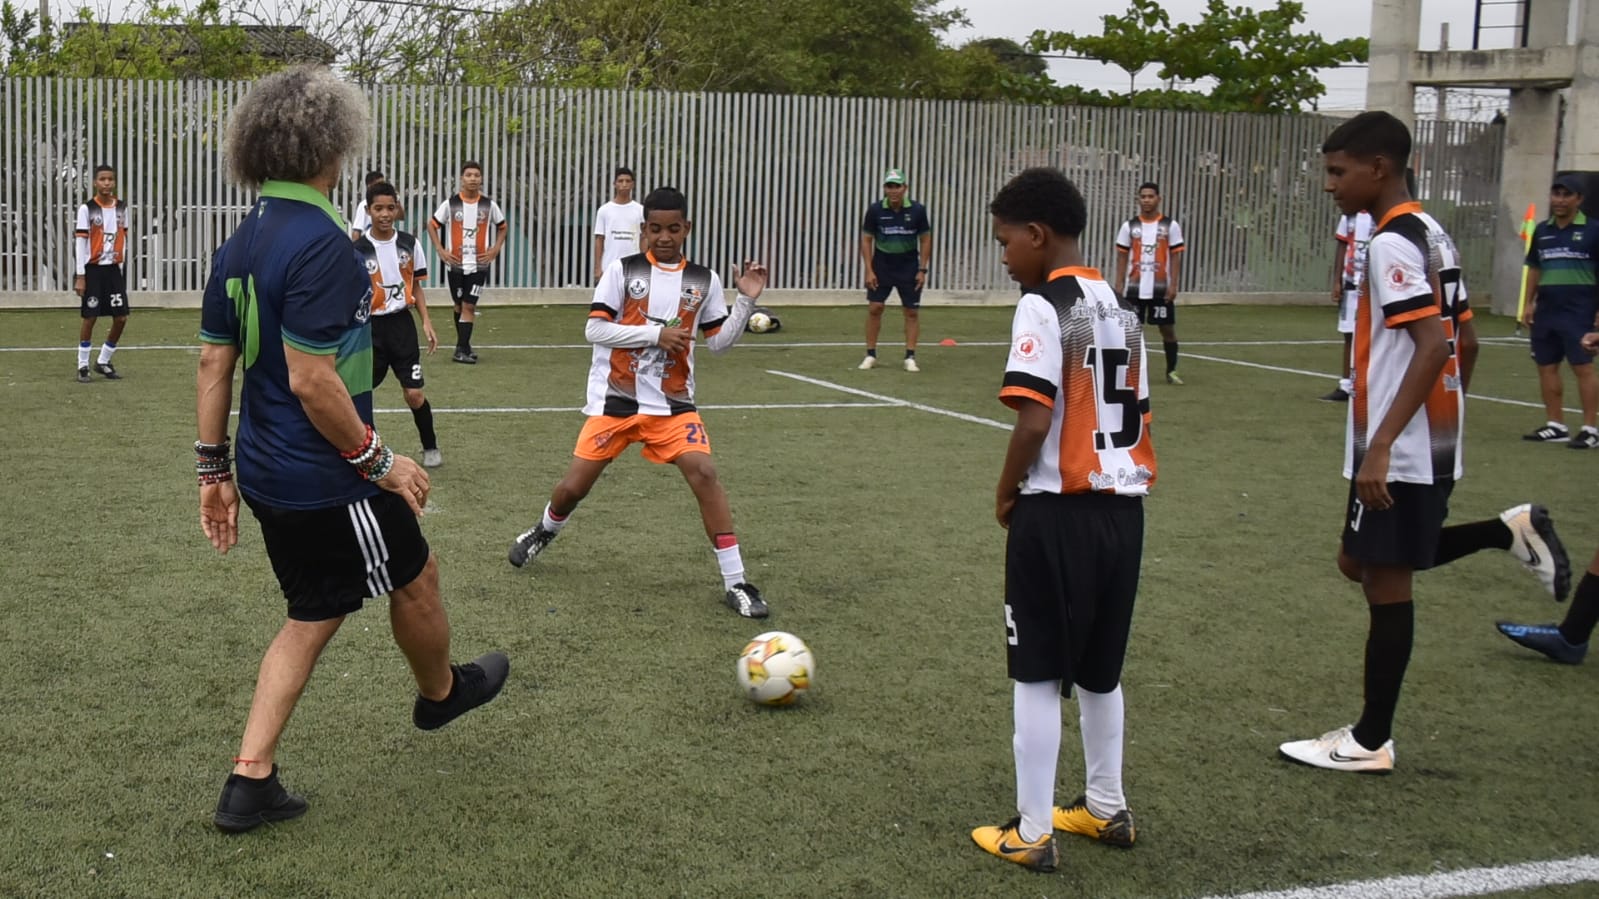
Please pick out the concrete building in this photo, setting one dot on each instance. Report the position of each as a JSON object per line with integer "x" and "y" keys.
{"x": 1553, "y": 121}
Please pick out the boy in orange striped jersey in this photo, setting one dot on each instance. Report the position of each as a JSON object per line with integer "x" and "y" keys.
{"x": 398, "y": 266}
{"x": 101, "y": 283}
{"x": 1070, "y": 495}
{"x": 1402, "y": 453}
{"x": 468, "y": 231}
{"x": 641, "y": 383}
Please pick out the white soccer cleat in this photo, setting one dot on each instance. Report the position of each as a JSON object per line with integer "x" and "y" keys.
{"x": 869, "y": 362}
{"x": 432, "y": 458}
{"x": 1338, "y": 751}
{"x": 1535, "y": 544}
{"x": 910, "y": 364}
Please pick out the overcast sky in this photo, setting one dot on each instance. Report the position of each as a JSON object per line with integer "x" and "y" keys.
{"x": 1334, "y": 19}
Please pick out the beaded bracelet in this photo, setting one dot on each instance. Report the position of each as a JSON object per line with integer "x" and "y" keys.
{"x": 213, "y": 463}
{"x": 380, "y": 465}
{"x": 217, "y": 477}
{"x": 366, "y": 449}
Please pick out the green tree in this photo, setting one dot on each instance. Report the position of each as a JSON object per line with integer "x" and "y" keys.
{"x": 1257, "y": 59}
{"x": 158, "y": 41}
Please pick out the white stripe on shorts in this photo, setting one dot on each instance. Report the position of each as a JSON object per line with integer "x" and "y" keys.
{"x": 373, "y": 549}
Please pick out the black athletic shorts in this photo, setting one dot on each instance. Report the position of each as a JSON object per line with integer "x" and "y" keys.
{"x": 394, "y": 347}
{"x": 1404, "y": 534}
{"x": 105, "y": 291}
{"x": 465, "y": 288}
{"x": 892, "y": 276}
{"x": 1154, "y": 312}
{"x": 328, "y": 561}
{"x": 1071, "y": 576}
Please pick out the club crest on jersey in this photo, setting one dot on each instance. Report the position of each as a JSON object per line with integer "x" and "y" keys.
{"x": 363, "y": 308}
{"x": 1397, "y": 275}
{"x": 1029, "y": 347}
{"x": 459, "y": 216}
{"x": 371, "y": 266}
{"x": 638, "y": 288}
{"x": 405, "y": 257}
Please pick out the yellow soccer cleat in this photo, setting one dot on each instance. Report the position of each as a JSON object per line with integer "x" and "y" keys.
{"x": 1006, "y": 842}
{"x": 1117, "y": 830}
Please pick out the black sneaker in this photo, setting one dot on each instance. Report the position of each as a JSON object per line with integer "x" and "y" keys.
{"x": 529, "y": 544}
{"x": 106, "y": 371}
{"x": 746, "y": 600}
{"x": 1548, "y": 434}
{"x": 476, "y": 682}
{"x": 83, "y": 376}
{"x": 1585, "y": 439}
{"x": 248, "y": 803}
{"x": 1337, "y": 396}
{"x": 464, "y": 357}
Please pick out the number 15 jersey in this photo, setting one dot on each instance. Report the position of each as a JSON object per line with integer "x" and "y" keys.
{"x": 1076, "y": 350}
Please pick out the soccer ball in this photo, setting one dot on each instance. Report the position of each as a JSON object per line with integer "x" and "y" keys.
{"x": 776, "y": 668}
{"x": 760, "y": 323}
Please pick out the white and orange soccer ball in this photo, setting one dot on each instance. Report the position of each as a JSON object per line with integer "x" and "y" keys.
{"x": 776, "y": 668}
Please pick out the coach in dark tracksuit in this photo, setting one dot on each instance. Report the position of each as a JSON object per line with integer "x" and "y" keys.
{"x": 896, "y": 245}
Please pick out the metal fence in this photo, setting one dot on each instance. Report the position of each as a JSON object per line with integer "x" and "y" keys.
{"x": 783, "y": 179}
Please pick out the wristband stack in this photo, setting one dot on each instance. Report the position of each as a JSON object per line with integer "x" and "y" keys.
{"x": 213, "y": 462}
{"x": 372, "y": 459}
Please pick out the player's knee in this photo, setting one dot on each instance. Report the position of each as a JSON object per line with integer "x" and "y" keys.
{"x": 875, "y": 310}
{"x": 414, "y": 397}
{"x": 1350, "y": 567}
{"x": 699, "y": 471}
{"x": 911, "y": 313}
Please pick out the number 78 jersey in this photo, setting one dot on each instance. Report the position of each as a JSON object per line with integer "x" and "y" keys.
{"x": 1076, "y": 350}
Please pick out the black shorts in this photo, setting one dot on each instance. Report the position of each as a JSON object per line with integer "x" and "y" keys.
{"x": 1071, "y": 576}
{"x": 394, "y": 347}
{"x": 465, "y": 288}
{"x": 895, "y": 277}
{"x": 1557, "y": 337}
{"x": 105, "y": 291}
{"x": 1404, "y": 535}
{"x": 328, "y": 561}
{"x": 1154, "y": 312}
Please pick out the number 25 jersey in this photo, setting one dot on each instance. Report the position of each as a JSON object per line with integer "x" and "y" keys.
{"x": 1076, "y": 350}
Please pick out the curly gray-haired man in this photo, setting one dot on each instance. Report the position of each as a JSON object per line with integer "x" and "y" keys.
{"x": 337, "y": 508}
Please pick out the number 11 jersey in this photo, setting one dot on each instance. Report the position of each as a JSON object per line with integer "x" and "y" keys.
{"x": 1076, "y": 350}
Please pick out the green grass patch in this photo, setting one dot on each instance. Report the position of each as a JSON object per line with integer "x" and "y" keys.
{"x": 621, "y": 761}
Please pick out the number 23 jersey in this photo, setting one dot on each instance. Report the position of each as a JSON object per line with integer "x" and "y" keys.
{"x": 1076, "y": 350}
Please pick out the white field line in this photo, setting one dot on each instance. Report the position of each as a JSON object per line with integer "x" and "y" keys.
{"x": 754, "y": 344}
{"x": 894, "y": 401}
{"x": 1448, "y": 884}
{"x": 1330, "y": 377}
{"x": 575, "y": 410}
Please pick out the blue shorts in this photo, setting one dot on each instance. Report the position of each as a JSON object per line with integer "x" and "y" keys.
{"x": 891, "y": 277}
{"x": 1558, "y": 336}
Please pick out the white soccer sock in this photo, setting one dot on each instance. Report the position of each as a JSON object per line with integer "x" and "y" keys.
{"x": 1037, "y": 748}
{"x": 1102, "y": 716}
{"x": 552, "y": 524}
{"x": 732, "y": 565}
{"x": 106, "y": 349}
{"x": 83, "y": 354}
{"x": 1347, "y": 385}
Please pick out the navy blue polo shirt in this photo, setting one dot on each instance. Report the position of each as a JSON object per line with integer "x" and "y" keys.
{"x": 895, "y": 232}
{"x": 1567, "y": 259}
{"x": 289, "y": 277}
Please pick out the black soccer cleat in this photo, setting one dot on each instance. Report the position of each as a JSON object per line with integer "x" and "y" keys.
{"x": 83, "y": 375}
{"x": 248, "y": 803}
{"x": 476, "y": 682}
{"x": 464, "y": 357}
{"x": 106, "y": 371}
{"x": 529, "y": 544}
{"x": 745, "y": 599}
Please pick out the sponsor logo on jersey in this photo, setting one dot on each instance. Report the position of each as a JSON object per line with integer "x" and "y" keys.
{"x": 690, "y": 299}
{"x": 1029, "y": 347}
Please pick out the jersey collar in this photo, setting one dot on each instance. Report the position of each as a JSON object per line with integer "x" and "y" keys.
{"x": 1581, "y": 218}
{"x": 1075, "y": 271}
{"x": 904, "y": 207}
{"x": 1406, "y": 208}
{"x": 303, "y": 193}
{"x": 682, "y": 262}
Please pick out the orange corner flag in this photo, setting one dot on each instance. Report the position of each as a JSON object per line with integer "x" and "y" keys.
{"x": 1528, "y": 225}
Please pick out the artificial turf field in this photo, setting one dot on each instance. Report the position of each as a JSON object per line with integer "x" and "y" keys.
{"x": 620, "y": 759}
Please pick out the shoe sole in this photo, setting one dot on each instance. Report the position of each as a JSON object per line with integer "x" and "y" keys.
{"x": 1377, "y": 771}
{"x": 1544, "y": 527}
{"x": 229, "y": 823}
